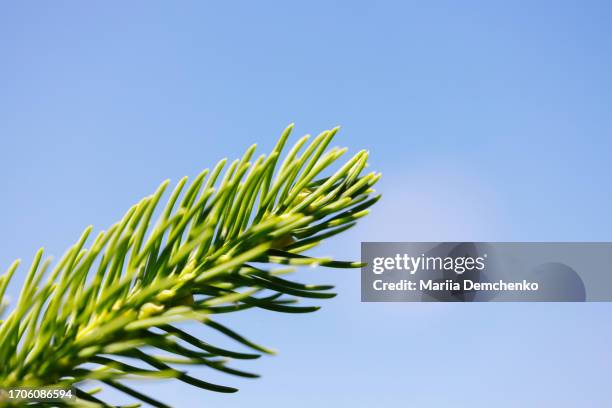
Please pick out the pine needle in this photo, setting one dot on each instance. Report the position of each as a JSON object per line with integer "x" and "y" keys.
{"x": 104, "y": 312}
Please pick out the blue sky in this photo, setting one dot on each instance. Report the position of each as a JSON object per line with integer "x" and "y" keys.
{"x": 489, "y": 120}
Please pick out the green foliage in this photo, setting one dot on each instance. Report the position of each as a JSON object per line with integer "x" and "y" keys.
{"x": 104, "y": 312}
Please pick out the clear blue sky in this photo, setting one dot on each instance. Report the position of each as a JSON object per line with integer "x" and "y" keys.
{"x": 489, "y": 121}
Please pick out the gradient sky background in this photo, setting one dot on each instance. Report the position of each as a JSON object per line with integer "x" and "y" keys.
{"x": 489, "y": 120}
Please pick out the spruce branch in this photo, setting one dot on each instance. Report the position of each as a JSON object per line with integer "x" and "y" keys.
{"x": 107, "y": 310}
